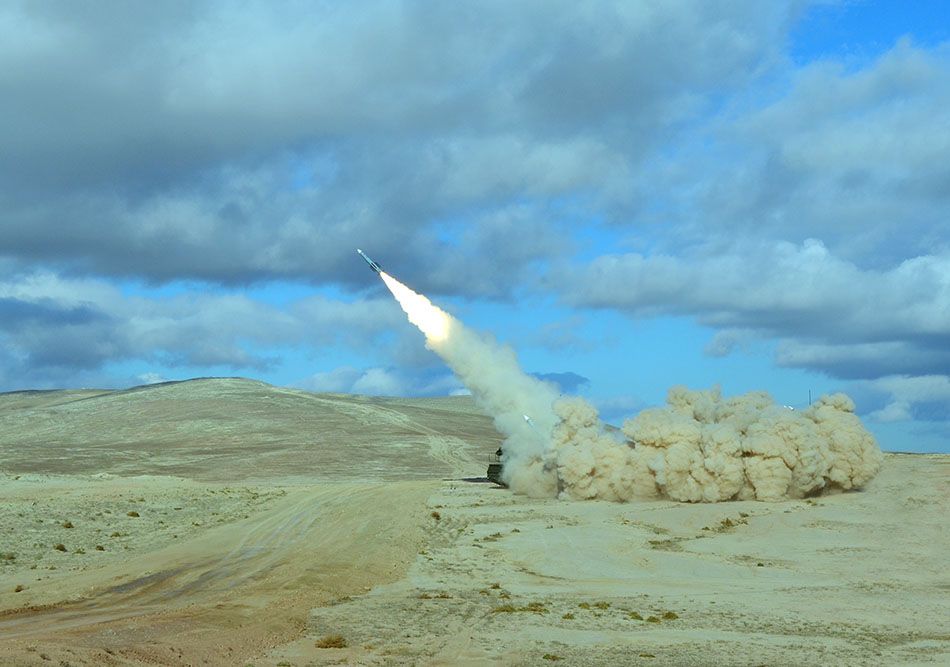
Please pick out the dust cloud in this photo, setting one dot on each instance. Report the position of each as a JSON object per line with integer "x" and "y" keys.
{"x": 700, "y": 447}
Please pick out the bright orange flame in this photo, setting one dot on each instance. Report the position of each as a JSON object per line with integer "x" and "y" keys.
{"x": 434, "y": 322}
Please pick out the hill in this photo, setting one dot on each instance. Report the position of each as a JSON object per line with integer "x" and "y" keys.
{"x": 231, "y": 429}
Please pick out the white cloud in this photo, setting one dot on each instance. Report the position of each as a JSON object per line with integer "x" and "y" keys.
{"x": 52, "y": 326}
{"x": 904, "y": 398}
{"x": 184, "y": 158}
{"x": 377, "y": 381}
{"x": 853, "y": 155}
{"x": 151, "y": 378}
{"x": 828, "y": 313}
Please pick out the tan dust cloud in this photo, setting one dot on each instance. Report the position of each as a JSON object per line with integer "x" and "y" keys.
{"x": 700, "y": 447}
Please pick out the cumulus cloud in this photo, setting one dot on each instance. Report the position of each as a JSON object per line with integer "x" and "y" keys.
{"x": 903, "y": 398}
{"x": 54, "y": 328}
{"x": 812, "y": 214}
{"x": 378, "y": 381}
{"x": 233, "y": 144}
{"x": 826, "y": 312}
{"x": 848, "y": 152}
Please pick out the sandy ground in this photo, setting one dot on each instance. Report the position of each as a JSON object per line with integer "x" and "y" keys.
{"x": 256, "y": 552}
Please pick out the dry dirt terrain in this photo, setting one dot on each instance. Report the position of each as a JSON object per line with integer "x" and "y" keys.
{"x": 228, "y": 522}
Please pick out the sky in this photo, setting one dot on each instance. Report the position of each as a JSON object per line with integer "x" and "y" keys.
{"x": 633, "y": 195}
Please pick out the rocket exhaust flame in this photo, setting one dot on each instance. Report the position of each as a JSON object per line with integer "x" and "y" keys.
{"x": 701, "y": 447}
{"x": 434, "y": 322}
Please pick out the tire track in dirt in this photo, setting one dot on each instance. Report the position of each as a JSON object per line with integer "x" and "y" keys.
{"x": 205, "y": 594}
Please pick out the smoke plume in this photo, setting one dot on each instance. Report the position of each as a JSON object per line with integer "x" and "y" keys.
{"x": 700, "y": 447}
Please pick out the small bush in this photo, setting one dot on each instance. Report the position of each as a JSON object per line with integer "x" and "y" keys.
{"x": 99, "y": 547}
{"x": 8, "y": 556}
{"x": 652, "y": 619}
{"x": 551, "y": 656}
{"x": 331, "y": 641}
{"x": 602, "y": 605}
{"x": 132, "y": 513}
{"x": 670, "y": 615}
{"x": 584, "y": 605}
{"x": 435, "y": 515}
{"x": 60, "y": 547}
{"x": 568, "y": 616}
{"x": 19, "y": 587}
{"x": 67, "y": 524}
{"x": 495, "y": 586}
{"x": 635, "y": 615}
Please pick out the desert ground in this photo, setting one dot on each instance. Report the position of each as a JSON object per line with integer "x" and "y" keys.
{"x": 229, "y": 522}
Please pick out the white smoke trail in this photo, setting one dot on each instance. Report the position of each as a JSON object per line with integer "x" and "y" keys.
{"x": 700, "y": 448}
{"x": 491, "y": 372}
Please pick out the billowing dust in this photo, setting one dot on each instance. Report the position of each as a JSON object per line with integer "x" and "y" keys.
{"x": 700, "y": 447}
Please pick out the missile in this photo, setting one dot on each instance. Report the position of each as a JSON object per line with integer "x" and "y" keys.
{"x": 373, "y": 265}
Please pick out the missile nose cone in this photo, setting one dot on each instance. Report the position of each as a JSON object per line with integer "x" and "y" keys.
{"x": 373, "y": 265}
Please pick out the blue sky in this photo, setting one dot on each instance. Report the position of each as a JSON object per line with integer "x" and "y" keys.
{"x": 633, "y": 195}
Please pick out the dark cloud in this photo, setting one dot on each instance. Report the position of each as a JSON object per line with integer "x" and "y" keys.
{"x": 17, "y": 313}
{"x": 267, "y": 140}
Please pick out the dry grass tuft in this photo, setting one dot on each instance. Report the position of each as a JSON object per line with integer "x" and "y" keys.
{"x": 67, "y": 524}
{"x": 532, "y": 607}
{"x": 60, "y": 547}
{"x": 132, "y": 513}
{"x": 435, "y": 515}
{"x": 551, "y": 656}
{"x": 670, "y": 615}
{"x": 331, "y": 641}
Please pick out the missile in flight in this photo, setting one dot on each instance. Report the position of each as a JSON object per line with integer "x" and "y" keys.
{"x": 373, "y": 265}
